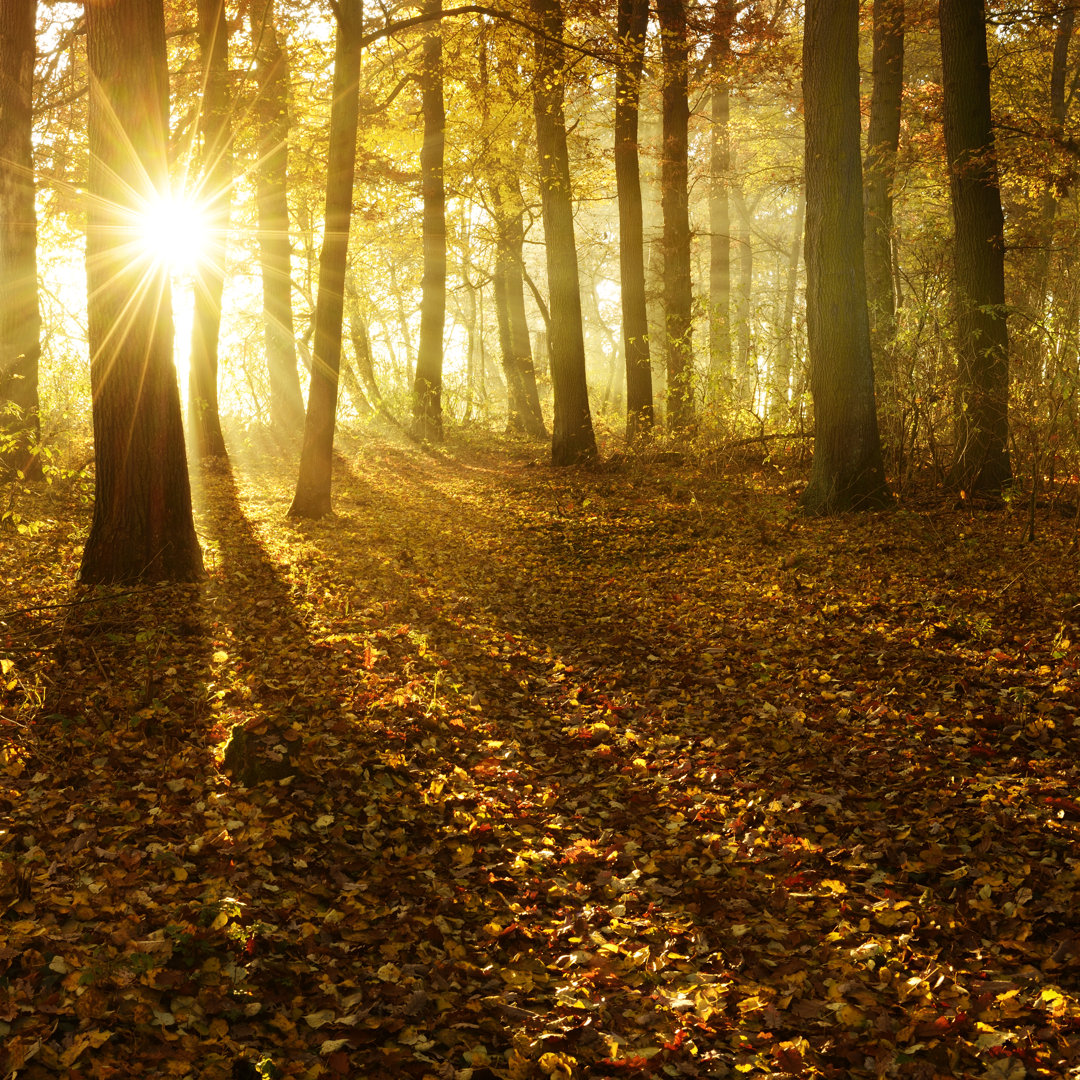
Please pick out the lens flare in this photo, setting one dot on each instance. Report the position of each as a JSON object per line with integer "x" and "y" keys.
{"x": 173, "y": 231}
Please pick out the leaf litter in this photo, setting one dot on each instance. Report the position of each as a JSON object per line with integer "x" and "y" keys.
{"x": 510, "y": 772}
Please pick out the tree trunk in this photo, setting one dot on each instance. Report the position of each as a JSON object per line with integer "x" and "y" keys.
{"x": 882, "y": 142}
{"x": 271, "y": 193}
{"x": 847, "y": 472}
{"x": 427, "y": 387}
{"x": 719, "y": 205}
{"x": 20, "y": 316}
{"x": 312, "y": 498}
{"x": 632, "y": 25}
{"x": 675, "y": 201}
{"x": 781, "y": 380}
{"x": 204, "y": 423}
{"x": 982, "y": 416}
{"x": 572, "y": 439}
{"x": 142, "y": 527}
{"x": 745, "y": 373}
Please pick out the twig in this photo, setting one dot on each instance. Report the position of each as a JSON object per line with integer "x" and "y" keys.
{"x": 76, "y": 603}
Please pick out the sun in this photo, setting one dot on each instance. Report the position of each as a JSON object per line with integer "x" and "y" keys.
{"x": 173, "y": 231}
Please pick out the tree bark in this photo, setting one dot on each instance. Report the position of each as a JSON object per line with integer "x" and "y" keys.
{"x": 632, "y": 25}
{"x": 675, "y": 202}
{"x": 981, "y": 463}
{"x": 847, "y": 472}
{"x": 20, "y": 316}
{"x": 271, "y": 194}
{"x": 204, "y": 422}
{"x": 312, "y": 498}
{"x": 572, "y": 439}
{"x": 427, "y": 386}
{"x": 142, "y": 526}
{"x": 719, "y": 203}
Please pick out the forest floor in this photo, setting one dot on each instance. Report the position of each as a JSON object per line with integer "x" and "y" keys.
{"x": 631, "y": 772}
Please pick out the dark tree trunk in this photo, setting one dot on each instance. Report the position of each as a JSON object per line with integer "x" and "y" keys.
{"x": 632, "y": 25}
{"x": 20, "y": 317}
{"x": 204, "y": 423}
{"x": 982, "y": 415}
{"x": 675, "y": 201}
{"x": 572, "y": 439}
{"x": 271, "y": 187}
{"x": 719, "y": 204}
{"x": 882, "y": 142}
{"x": 312, "y": 498}
{"x": 427, "y": 387}
{"x": 847, "y": 472}
{"x": 142, "y": 527}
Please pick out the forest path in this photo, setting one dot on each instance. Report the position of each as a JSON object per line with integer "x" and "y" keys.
{"x": 566, "y": 773}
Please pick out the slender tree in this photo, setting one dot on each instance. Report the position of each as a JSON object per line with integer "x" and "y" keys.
{"x": 847, "y": 471}
{"x": 142, "y": 527}
{"x": 982, "y": 415}
{"x": 312, "y": 498}
{"x": 427, "y": 385}
{"x": 215, "y": 152}
{"x": 632, "y": 25}
{"x": 572, "y": 438}
{"x": 271, "y": 114}
{"x": 720, "y": 58}
{"x": 20, "y": 318}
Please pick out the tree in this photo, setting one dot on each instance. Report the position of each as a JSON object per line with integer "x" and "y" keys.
{"x": 982, "y": 416}
{"x": 271, "y": 115}
{"x": 572, "y": 438}
{"x": 20, "y": 318}
{"x": 675, "y": 201}
{"x": 847, "y": 472}
{"x": 427, "y": 386}
{"x": 632, "y": 25}
{"x": 142, "y": 527}
{"x": 312, "y": 498}
{"x": 215, "y": 148}
{"x": 720, "y": 57}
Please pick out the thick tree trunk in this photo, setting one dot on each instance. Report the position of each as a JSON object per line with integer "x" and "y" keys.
{"x": 20, "y": 317}
{"x": 632, "y": 25}
{"x": 847, "y": 472}
{"x": 675, "y": 201}
{"x": 982, "y": 414}
{"x": 312, "y": 498}
{"x": 204, "y": 423}
{"x": 719, "y": 204}
{"x": 427, "y": 387}
{"x": 142, "y": 527}
{"x": 882, "y": 142}
{"x": 572, "y": 439}
{"x": 271, "y": 192}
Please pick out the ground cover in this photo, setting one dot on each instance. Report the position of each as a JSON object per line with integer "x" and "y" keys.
{"x": 512, "y": 772}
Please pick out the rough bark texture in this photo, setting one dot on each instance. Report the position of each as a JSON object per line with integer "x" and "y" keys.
{"x": 882, "y": 142}
{"x": 142, "y": 527}
{"x": 633, "y": 22}
{"x": 312, "y": 498}
{"x": 215, "y": 135}
{"x": 675, "y": 201}
{"x": 982, "y": 415}
{"x": 719, "y": 206}
{"x": 20, "y": 318}
{"x": 271, "y": 192}
{"x": 427, "y": 386}
{"x": 572, "y": 438}
{"x": 847, "y": 472}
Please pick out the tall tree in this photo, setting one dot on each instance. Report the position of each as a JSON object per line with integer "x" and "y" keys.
{"x": 632, "y": 24}
{"x": 215, "y": 153}
{"x": 572, "y": 438}
{"x": 427, "y": 386}
{"x": 20, "y": 318}
{"x": 847, "y": 472}
{"x": 142, "y": 527}
{"x": 982, "y": 415}
{"x": 312, "y": 498}
{"x": 676, "y": 206}
{"x": 271, "y": 193}
{"x": 720, "y": 57}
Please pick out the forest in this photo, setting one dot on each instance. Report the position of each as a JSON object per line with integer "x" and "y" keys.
{"x": 539, "y": 539}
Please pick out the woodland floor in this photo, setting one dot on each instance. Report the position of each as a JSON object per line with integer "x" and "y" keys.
{"x": 619, "y": 773}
